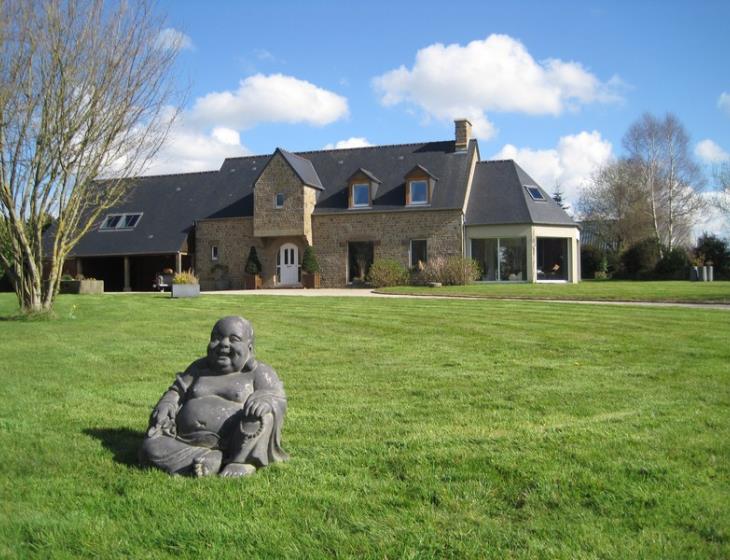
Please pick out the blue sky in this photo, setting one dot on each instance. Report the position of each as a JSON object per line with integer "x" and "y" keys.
{"x": 552, "y": 84}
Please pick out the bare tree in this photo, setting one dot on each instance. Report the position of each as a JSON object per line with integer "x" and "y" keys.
{"x": 84, "y": 92}
{"x": 614, "y": 205}
{"x": 668, "y": 176}
{"x": 722, "y": 180}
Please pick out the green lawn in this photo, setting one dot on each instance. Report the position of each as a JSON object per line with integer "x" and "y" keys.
{"x": 418, "y": 428}
{"x": 591, "y": 290}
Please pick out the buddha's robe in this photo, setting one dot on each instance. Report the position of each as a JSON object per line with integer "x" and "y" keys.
{"x": 209, "y": 416}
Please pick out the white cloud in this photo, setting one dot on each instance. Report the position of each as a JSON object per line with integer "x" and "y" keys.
{"x": 354, "y": 142}
{"x": 570, "y": 164}
{"x": 263, "y": 54}
{"x": 709, "y": 152}
{"x": 723, "y": 102}
{"x": 494, "y": 74}
{"x": 188, "y": 149}
{"x": 272, "y": 98}
{"x": 170, "y": 38}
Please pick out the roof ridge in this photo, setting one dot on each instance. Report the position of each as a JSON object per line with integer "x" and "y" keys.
{"x": 496, "y": 161}
{"x": 157, "y": 176}
{"x": 299, "y": 153}
{"x": 374, "y": 147}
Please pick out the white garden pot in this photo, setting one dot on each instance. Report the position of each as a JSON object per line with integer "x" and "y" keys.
{"x": 185, "y": 290}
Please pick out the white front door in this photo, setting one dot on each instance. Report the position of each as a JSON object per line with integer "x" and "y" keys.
{"x": 288, "y": 264}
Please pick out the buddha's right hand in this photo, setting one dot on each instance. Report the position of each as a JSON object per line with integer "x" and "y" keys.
{"x": 162, "y": 419}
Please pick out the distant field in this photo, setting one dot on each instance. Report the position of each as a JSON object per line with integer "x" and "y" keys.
{"x": 613, "y": 290}
{"x": 418, "y": 428}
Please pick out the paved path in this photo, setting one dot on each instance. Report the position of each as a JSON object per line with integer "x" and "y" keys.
{"x": 362, "y": 292}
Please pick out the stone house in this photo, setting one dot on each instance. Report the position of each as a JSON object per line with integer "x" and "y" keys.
{"x": 406, "y": 202}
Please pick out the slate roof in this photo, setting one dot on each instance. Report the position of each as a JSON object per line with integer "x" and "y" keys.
{"x": 303, "y": 168}
{"x": 170, "y": 205}
{"x": 498, "y": 196}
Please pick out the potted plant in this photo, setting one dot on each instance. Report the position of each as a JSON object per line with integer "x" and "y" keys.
{"x": 253, "y": 271}
{"x": 80, "y": 285}
{"x": 220, "y": 277}
{"x": 310, "y": 267}
{"x": 185, "y": 284}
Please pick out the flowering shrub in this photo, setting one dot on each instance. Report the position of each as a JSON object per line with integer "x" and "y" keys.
{"x": 450, "y": 271}
{"x": 387, "y": 272}
{"x": 185, "y": 277}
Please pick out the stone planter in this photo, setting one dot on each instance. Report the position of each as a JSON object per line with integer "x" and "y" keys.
{"x": 81, "y": 287}
{"x": 252, "y": 282}
{"x": 185, "y": 290}
{"x": 310, "y": 280}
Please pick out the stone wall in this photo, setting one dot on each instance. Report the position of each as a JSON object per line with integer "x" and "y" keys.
{"x": 294, "y": 218}
{"x": 391, "y": 233}
{"x": 234, "y": 239}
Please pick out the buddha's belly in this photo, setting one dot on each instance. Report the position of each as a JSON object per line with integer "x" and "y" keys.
{"x": 205, "y": 415}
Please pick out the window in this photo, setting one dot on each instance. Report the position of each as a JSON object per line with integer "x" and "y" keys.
{"x": 120, "y": 221}
{"x": 214, "y": 253}
{"x": 130, "y": 220}
{"x": 418, "y": 192}
{"x": 501, "y": 259}
{"x": 534, "y": 192}
{"x": 111, "y": 222}
{"x": 418, "y": 252}
{"x": 360, "y": 194}
{"x": 552, "y": 258}
{"x": 279, "y": 200}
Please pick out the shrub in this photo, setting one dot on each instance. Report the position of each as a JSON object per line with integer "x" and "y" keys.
{"x": 387, "y": 272}
{"x": 591, "y": 258}
{"x": 185, "y": 277}
{"x": 309, "y": 260}
{"x": 674, "y": 265}
{"x": 711, "y": 250}
{"x": 67, "y": 277}
{"x": 253, "y": 264}
{"x": 640, "y": 260}
{"x": 451, "y": 271}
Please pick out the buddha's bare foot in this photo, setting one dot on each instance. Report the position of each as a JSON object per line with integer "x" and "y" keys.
{"x": 238, "y": 469}
{"x": 207, "y": 465}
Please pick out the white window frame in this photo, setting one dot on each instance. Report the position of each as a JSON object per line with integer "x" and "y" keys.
{"x": 410, "y": 192}
{"x": 214, "y": 253}
{"x": 276, "y": 200}
{"x": 354, "y": 187}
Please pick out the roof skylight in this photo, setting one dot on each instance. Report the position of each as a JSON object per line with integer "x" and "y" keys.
{"x": 120, "y": 221}
{"x": 535, "y": 193}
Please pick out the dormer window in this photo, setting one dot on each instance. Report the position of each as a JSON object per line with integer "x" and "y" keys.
{"x": 120, "y": 221}
{"x": 362, "y": 187}
{"x": 420, "y": 183}
{"x": 418, "y": 192}
{"x": 361, "y": 195}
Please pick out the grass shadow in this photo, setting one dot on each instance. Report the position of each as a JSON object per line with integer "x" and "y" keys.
{"x": 29, "y": 317}
{"x": 122, "y": 442}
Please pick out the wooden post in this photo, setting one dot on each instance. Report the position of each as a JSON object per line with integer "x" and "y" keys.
{"x": 178, "y": 262}
{"x": 127, "y": 286}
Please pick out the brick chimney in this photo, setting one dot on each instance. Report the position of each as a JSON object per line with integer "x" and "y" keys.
{"x": 463, "y": 134}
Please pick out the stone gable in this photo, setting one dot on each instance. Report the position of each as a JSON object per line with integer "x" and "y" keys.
{"x": 295, "y": 217}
